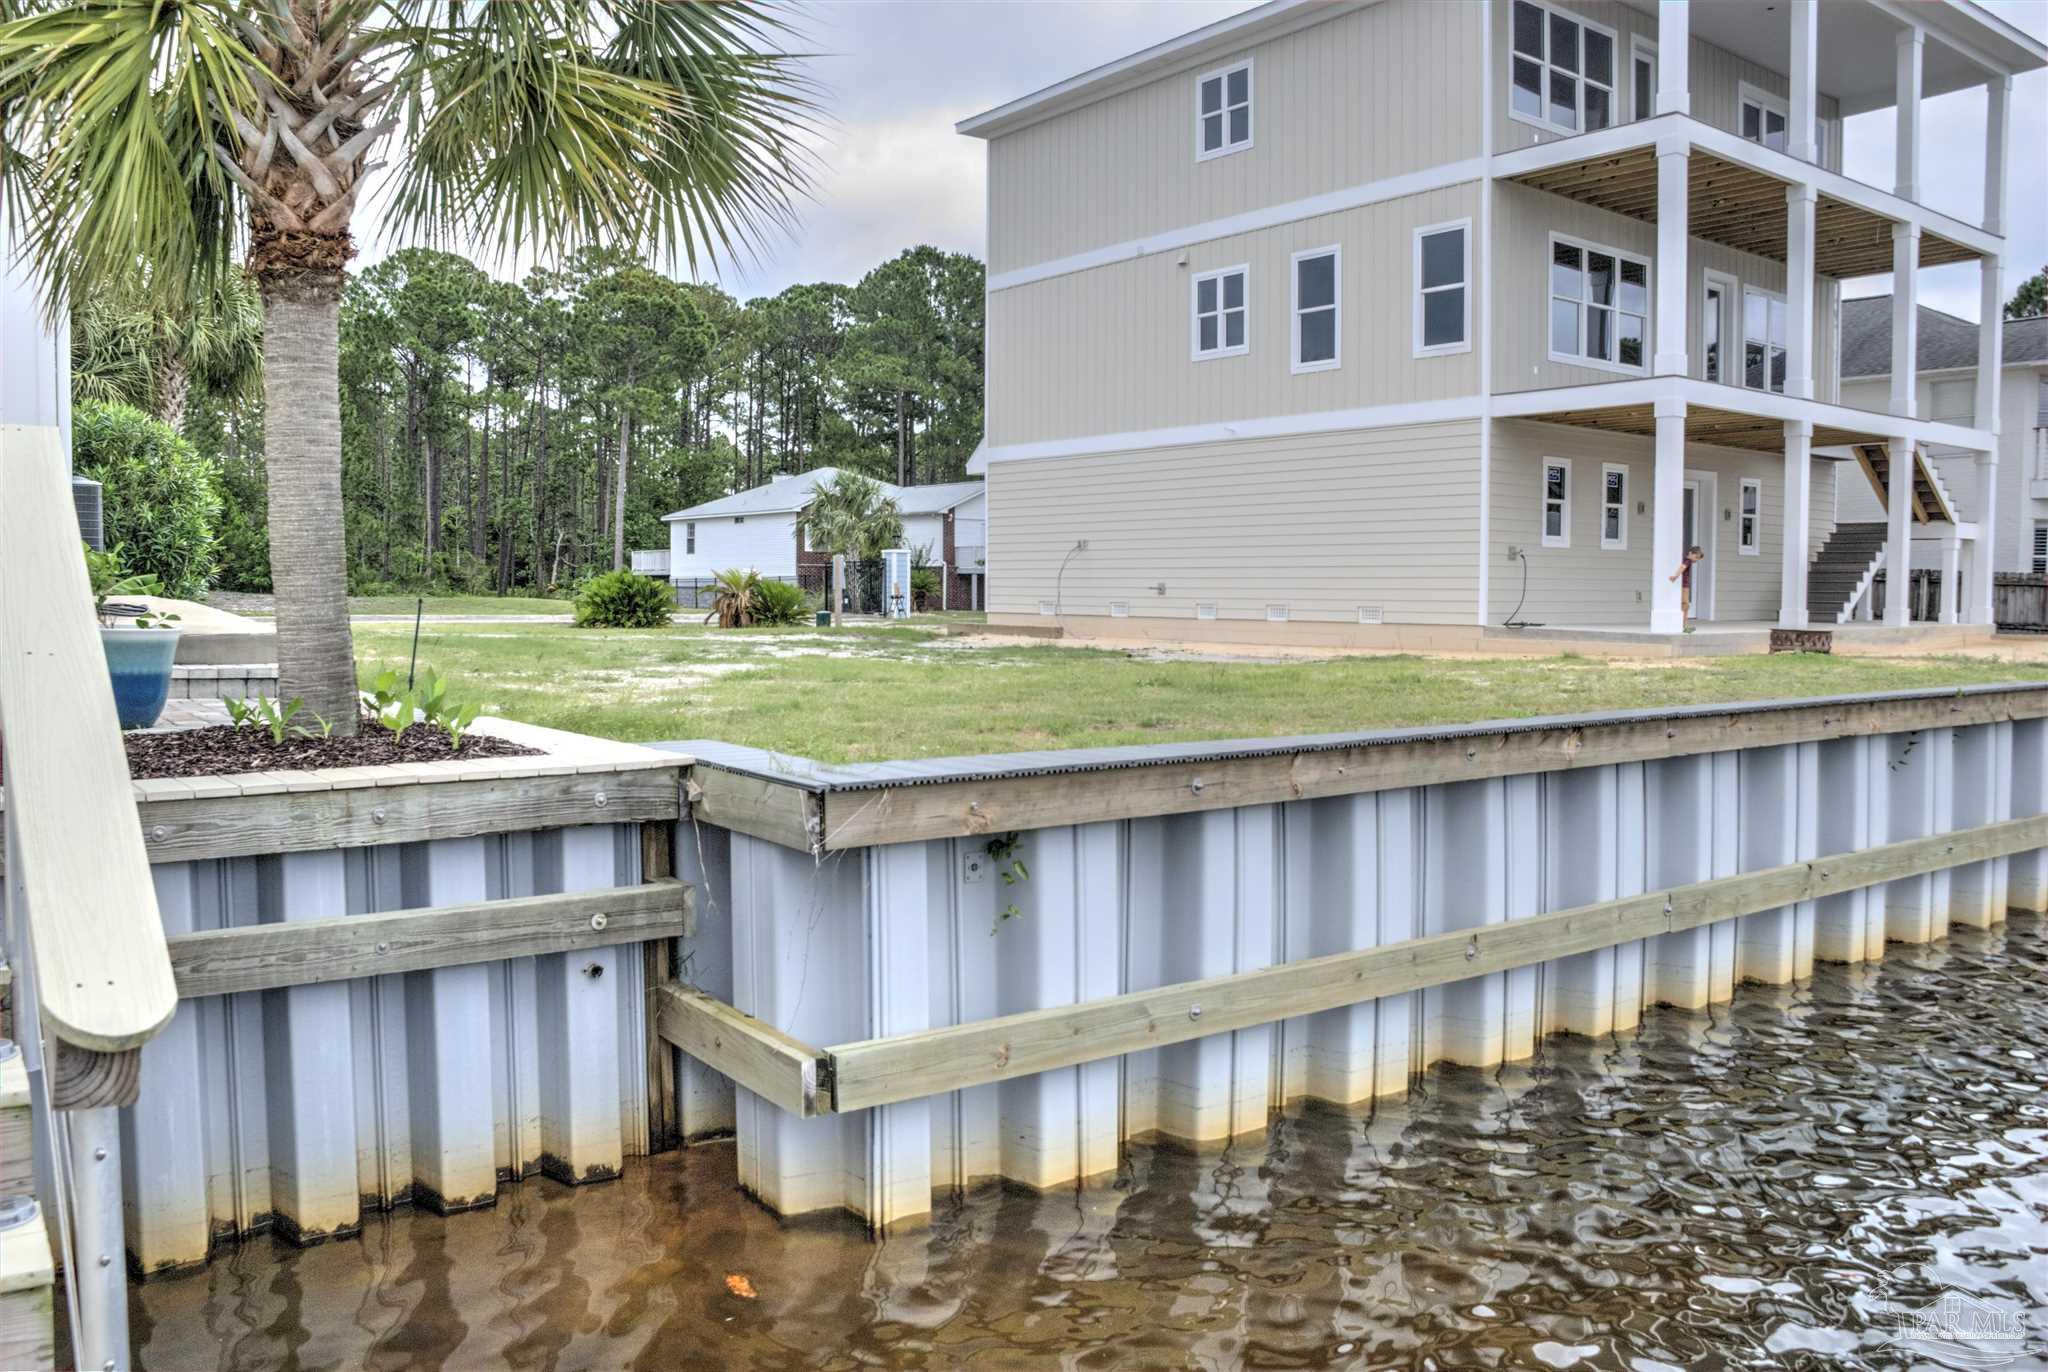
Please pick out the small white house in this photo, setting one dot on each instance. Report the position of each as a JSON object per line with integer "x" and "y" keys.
{"x": 753, "y": 529}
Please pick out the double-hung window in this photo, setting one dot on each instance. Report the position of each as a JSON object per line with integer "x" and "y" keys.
{"x": 1599, "y": 306}
{"x": 1557, "y": 502}
{"x": 689, "y": 538}
{"x": 1764, "y": 118}
{"x": 1561, "y": 72}
{"x": 1764, "y": 330}
{"x": 1222, "y": 313}
{"x": 1443, "y": 302}
{"x": 1749, "y": 515}
{"x": 1316, "y": 312}
{"x": 1613, "y": 505}
{"x": 1223, "y": 112}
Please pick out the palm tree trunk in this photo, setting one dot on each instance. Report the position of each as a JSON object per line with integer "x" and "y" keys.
{"x": 302, "y": 448}
{"x": 173, "y": 385}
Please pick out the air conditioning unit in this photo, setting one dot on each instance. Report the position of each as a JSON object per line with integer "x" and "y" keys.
{"x": 92, "y": 524}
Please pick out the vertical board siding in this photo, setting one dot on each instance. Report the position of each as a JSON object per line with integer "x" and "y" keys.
{"x": 300, "y": 1108}
{"x": 1390, "y": 89}
{"x": 1586, "y": 585}
{"x": 1524, "y": 219}
{"x": 1320, "y": 522}
{"x": 1714, "y": 79}
{"x": 1107, "y": 350}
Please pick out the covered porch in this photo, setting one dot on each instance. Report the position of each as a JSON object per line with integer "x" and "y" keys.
{"x": 1734, "y": 471}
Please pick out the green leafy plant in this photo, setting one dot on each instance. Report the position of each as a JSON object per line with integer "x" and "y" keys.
{"x": 261, "y": 712}
{"x": 391, "y": 705}
{"x": 110, "y": 578}
{"x": 924, "y": 583}
{"x": 1006, "y": 849}
{"x": 623, "y": 600}
{"x": 161, "y": 498}
{"x": 781, "y": 604}
{"x": 733, "y": 594}
{"x": 430, "y": 698}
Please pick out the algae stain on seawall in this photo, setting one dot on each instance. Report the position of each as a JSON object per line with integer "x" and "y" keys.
{"x": 1791, "y": 1177}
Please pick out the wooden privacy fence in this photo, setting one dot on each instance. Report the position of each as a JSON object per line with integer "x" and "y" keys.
{"x": 2020, "y": 603}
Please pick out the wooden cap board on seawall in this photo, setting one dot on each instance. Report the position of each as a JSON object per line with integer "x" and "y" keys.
{"x": 102, "y": 973}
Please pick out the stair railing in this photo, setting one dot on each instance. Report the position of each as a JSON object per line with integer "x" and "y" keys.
{"x": 92, "y": 977}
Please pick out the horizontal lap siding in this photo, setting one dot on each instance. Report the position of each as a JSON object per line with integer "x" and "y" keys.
{"x": 1714, "y": 79}
{"x": 1323, "y": 523}
{"x": 1524, "y": 220}
{"x": 1588, "y": 585}
{"x": 1381, "y": 92}
{"x": 1107, "y": 350}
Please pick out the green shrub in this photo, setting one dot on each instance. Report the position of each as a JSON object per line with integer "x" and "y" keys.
{"x": 624, "y": 600}
{"x": 161, "y": 497}
{"x": 780, "y": 603}
{"x": 924, "y": 582}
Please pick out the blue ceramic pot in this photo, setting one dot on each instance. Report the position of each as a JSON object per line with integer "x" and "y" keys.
{"x": 139, "y": 661}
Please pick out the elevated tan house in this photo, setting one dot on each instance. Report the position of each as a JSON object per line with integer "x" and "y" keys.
{"x": 1392, "y": 322}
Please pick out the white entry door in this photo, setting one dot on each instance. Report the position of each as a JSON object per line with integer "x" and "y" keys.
{"x": 1699, "y": 532}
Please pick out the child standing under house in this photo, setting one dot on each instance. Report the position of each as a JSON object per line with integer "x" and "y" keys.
{"x": 1692, "y": 557}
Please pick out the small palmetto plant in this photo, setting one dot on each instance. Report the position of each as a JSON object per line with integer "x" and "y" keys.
{"x": 733, "y": 595}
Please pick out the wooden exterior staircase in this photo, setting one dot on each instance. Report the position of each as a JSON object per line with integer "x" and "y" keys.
{"x": 1931, "y": 503}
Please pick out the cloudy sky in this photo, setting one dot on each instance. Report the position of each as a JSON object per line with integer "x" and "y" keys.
{"x": 899, "y": 73}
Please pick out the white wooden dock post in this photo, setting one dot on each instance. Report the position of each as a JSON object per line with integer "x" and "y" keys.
{"x": 576, "y": 1004}
{"x": 1467, "y": 842}
{"x": 309, "y": 1053}
{"x": 1582, "y": 865}
{"x": 163, "y": 1135}
{"x": 448, "y": 1042}
{"x": 1064, "y": 947}
{"x": 1921, "y": 802}
{"x": 2027, "y": 873}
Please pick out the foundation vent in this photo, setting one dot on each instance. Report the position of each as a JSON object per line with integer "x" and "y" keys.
{"x": 1372, "y": 614}
{"x": 1205, "y": 610}
{"x": 1277, "y": 613}
{"x": 1119, "y": 609}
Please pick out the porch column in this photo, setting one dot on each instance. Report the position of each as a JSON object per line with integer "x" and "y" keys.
{"x": 1674, "y": 52}
{"x": 1673, "y": 161}
{"x": 1798, "y": 525}
{"x": 1802, "y": 139}
{"x": 1799, "y": 214}
{"x": 1912, "y": 45}
{"x": 1905, "y": 317}
{"x": 1997, "y": 139}
{"x": 1951, "y": 570}
{"x": 1990, "y": 372}
{"x": 1898, "y": 547}
{"x": 1667, "y": 520}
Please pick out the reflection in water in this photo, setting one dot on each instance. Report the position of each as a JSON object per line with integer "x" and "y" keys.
{"x": 1751, "y": 1186}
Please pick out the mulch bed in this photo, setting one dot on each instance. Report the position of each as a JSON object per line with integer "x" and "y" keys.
{"x": 223, "y": 750}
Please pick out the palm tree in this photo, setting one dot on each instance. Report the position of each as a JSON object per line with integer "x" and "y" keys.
{"x": 850, "y": 515}
{"x": 131, "y": 346}
{"x": 140, "y": 131}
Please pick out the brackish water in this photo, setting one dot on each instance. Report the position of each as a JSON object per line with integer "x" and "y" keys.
{"x": 1762, "y": 1186}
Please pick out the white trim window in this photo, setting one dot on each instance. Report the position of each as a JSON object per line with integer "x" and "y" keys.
{"x": 1219, "y": 308}
{"x": 1560, "y": 69}
{"x": 1614, "y": 506}
{"x": 689, "y": 538}
{"x": 1599, "y": 306}
{"x": 1749, "y": 517}
{"x": 1556, "y": 493}
{"x": 1716, "y": 299}
{"x": 1443, "y": 298}
{"x": 1642, "y": 76}
{"x": 1318, "y": 319}
{"x": 1223, "y": 111}
{"x": 1765, "y": 328}
{"x": 1764, "y": 118}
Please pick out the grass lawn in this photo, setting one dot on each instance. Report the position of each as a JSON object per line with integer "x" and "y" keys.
{"x": 898, "y": 692}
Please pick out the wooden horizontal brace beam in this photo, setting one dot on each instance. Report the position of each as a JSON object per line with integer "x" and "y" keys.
{"x": 781, "y": 1070}
{"x": 956, "y": 809}
{"x": 258, "y": 957}
{"x": 771, "y": 810}
{"x": 909, "y": 1066}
